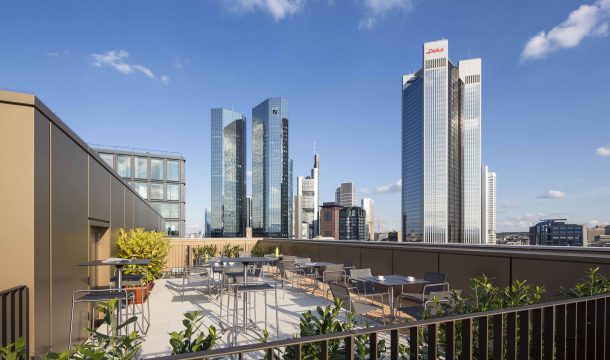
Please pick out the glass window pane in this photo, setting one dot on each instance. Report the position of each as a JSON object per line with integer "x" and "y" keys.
{"x": 109, "y": 159}
{"x": 174, "y": 211}
{"x": 161, "y": 208}
{"x": 173, "y": 170}
{"x": 123, "y": 166}
{"x": 172, "y": 227}
{"x": 142, "y": 189}
{"x": 173, "y": 192}
{"x": 156, "y": 169}
{"x": 141, "y": 168}
{"x": 156, "y": 191}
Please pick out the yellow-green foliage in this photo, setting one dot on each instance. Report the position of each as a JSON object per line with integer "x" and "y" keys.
{"x": 142, "y": 244}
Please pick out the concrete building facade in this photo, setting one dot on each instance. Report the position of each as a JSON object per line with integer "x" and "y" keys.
{"x": 306, "y": 209}
{"x": 346, "y": 195}
{"x": 329, "y": 220}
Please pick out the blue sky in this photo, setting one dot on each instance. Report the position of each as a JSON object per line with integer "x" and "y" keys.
{"x": 146, "y": 73}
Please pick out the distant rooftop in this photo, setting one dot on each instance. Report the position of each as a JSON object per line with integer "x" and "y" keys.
{"x": 131, "y": 150}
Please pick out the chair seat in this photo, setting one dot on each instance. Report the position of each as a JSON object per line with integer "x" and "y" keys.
{"x": 95, "y": 296}
{"x": 363, "y": 308}
{"x": 255, "y": 287}
{"x": 129, "y": 278}
{"x": 417, "y": 298}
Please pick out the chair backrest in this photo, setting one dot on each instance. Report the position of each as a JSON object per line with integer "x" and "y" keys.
{"x": 360, "y": 273}
{"x": 333, "y": 273}
{"x": 303, "y": 260}
{"x": 348, "y": 263}
{"x": 363, "y": 287}
{"x": 434, "y": 278}
{"x": 289, "y": 258}
{"x": 341, "y": 292}
{"x": 245, "y": 254}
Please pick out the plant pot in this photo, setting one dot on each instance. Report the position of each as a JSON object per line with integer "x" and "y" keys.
{"x": 151, "y": 285}
{"x": 140, "y": 293}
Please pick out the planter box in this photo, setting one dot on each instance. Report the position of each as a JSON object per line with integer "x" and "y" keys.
{"x": 140, "y": 293}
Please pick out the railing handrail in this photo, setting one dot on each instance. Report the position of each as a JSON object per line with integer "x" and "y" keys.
{"x": 375, "y": 329}
{"x": 13, "y": 289}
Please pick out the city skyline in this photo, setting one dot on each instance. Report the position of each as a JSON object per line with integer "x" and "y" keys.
{"x": 156, "y": 97}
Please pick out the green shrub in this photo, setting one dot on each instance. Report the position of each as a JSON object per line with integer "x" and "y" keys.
{"x": 182, "y": 342}
{"x": 201, "y": 251}
{"x": 142, "y": 244}
{"x": 13, "y": 351}
{"x": 261, "y": 250}
{"x": 102, "y": 346}
{"x": 229, "y": 250}
{"x": 593, "y": 283}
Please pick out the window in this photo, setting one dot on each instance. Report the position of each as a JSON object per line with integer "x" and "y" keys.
{"x": 142, "y": 189}
{"x": 109, "y": 159}
{"x": 173, "y": 192}
{"x": 156, "y": 169}
{"x": 161, "y": 208}
{"x": 156, "y": 191}
{"x": 172, "y": 227}
{"x": 141, "y": 168}
{"x": 174, "y": 210}
{"x": 173, "y": 170}
{"x": 123, "y": 166}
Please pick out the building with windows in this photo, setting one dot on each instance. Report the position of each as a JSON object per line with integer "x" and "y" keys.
{"x": 329, "y": 220}
{"x": 352, "y": 223}
{"x": 369, "y": 207}
{"x": 488, "y": 205}
{"x": 346, "y": 195}
{"x": 207, "y": 223}
{"x": 290, "y": 200}
{"x": 307, "y": 204}
{"x": 555, "y": 232}
{"x": 228, "y": 173}
{"x": 248, "y": 211}
{"x": 271, "y": 184}
{"x": 441, "y": 149}
{"x": 156, "y": 176}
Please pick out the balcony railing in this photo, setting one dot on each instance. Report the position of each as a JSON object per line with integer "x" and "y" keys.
{"x": 565, "y": 329}
{"x": 15, "y": 316}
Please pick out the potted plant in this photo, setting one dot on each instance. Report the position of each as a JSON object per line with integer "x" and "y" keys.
{"x": 142, "y": 244}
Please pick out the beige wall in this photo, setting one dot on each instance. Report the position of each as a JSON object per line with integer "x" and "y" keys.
{"x": 551, "y": 267}
{"x": 178, "y": 248}
{"x": 54, "y": 191}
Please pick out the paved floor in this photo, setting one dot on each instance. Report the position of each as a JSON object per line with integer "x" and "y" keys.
{"x": 168, "y": 306}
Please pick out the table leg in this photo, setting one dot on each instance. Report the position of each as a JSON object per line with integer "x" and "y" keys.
{"x": 392, "y": 311}
{"x": 119, "y": 285}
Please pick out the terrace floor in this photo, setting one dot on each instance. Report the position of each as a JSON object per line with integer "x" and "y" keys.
{"x": 168, "y": 306}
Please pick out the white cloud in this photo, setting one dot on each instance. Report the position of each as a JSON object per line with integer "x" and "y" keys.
{"x": 520, "y": 223}
{"x": 391, "y": 188}
{"x": 377, "y": 9}
{"x": 117, "y": 60}
{"x": 603, "y": 151}
{"x": 552, "y": 194}
{"x": 279, "y": 9}
{"x": 586, "y": 21}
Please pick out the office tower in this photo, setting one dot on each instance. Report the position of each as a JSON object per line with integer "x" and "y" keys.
{"x": 346, "y": 195}
{"x": 156, "y": 176}
{"x": 441, "y": 149}
{"x": 329, "y": 220}
{"x": 307, "y": 203}
{"x": 207, "y": 223}
{"x": 488, "y": 205}
{"x": 271, "y": 203}
{"x": 369, "y": 207}
{"x": 228, "y": 172}
{"x": 290, "y": 201}
{"x": 352, "y": 223}
{"x": 555, "y": 232}
{"x": 248, "y": 211}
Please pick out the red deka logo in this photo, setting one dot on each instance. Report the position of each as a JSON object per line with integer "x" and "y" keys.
{"x": 434, "y": 51}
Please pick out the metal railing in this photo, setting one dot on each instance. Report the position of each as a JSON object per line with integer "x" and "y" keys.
{"x": 15, "y": 316}
{"x": 565, "y": 329}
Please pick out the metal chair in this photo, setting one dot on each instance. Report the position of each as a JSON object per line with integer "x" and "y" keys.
{"x": 95, "y": 296}
{"x": 436, "y": 283}
{"x": 332, "y": 273}
{"x": 341, "y": 292}
{"x": 136, "y": 276}
{"x": 348, "y": 264}
{"x": 196, "y": 272}
{"x": 232, "y": 274}
{"x": 254, "y": 288}
{"x": 367, "y": 289}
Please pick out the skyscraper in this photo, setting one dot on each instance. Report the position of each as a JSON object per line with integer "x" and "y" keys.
{"x": 441, "y": 149}
{"x": 488, "y": 205}
{"x": 352, "y": 224}
{"x": 369, "y": 207}
{"x": 271, "y": 203}
{"x": 228, "y": 172}
{"x": 346, "y": 195}
{"x": 307, "y": 203}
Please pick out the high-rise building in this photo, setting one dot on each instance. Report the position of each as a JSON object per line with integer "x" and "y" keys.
{"x": 290, "y": 200}
{"x": 329, "y": 220}
{"x": 228, "y": 172}
{"x": 248, "y": 211}
{"x": 352, "y": 223}
{"x": 307, "y": 203}
{"x": 488, "y": 205}
{"x": 555, "y": 232}
{"x": 441, "y": 149}
{"x": 207, "y": 223}
{"x": 156, "y": 176}
{"x": 271, "y": 203}
{"x": 346, "y": 195}
{"x": 369, "y": 207}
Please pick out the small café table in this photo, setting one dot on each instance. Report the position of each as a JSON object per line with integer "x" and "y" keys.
{"x": 119, "y": 264}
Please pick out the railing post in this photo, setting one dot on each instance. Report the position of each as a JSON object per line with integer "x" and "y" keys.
{"x": 432, "y": 340}
{"x": 349, "y": 348}
{"x": 466, "y": 339}
{"x": 524, "y": 334}
{"x": 483, "y": 337}
{"x": 549, "y": 332}
{"x": 581, "y": 330}
{"x": 413, "y": 343}
{"x": 373, "y": 345}
{"x": 571, "y": 331}
{"x": 450, "y": 340}
{"x": 498, "y": 337}
{"x": 394, "y": 343}
{"x": 324, "y": 346}
{"x": 511, "y": 336}
{"x": 560, "y": 332}
{"x": 591, "y": 329}
{"x": 600, "y": 328}
{"x": 537, "y": 334}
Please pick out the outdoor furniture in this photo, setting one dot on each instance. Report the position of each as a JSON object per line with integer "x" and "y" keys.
{"x": 341, "y": 292}
{"x": 311, "y": 270}
{"x": 391, "y": 281}
{"x": 254, "y": 288}
{"x": 348, "y": 264}
{"x": 232, "y": 273}
{"x": 365, "y": 288}
{"x": 289, "y": 272}
{"x": 434, "y": 283}
{"x": 95, "y": 296}
{"x": 196, "y": 272}
{"x": 137, "y": 276}
{"x": 332, "y": 273}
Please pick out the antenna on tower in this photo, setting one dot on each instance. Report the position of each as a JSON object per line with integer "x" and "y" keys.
{"x": 314, "y": 147}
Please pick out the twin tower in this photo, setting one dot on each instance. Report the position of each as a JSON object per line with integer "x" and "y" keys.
{"x": 444, "y": 195}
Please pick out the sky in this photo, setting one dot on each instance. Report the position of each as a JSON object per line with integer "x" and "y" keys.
{"x": 145, "y": 74}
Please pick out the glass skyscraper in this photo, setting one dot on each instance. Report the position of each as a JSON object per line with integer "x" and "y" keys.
{"x": 228, "y": 172}
{"x": 271, "y": 204}
{"x": 441, "y": 149}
